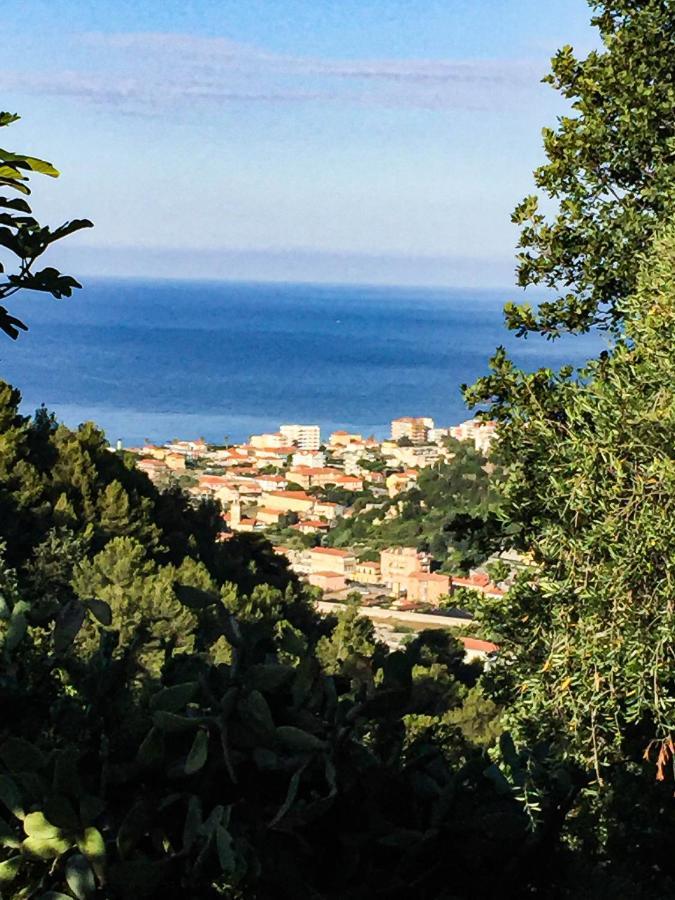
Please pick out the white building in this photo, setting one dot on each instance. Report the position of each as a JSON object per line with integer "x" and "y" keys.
{"x": 306, "y": 437}
{"x": 312, "y": 458}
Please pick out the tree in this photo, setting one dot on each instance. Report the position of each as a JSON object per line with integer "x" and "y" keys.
{"x": 610, "y": 169}
{"x": 24, "y": 237}
{"x": 588, "y": 637}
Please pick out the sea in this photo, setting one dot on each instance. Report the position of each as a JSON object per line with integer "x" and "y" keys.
{"x": 156, "y": 360}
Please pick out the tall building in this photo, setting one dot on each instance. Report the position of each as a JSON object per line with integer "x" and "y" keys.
{"x": 306, "y": 437}
{"x": 416, "y": 429}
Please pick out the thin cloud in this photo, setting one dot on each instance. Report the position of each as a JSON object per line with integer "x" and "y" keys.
{"x": 150, "y": 71}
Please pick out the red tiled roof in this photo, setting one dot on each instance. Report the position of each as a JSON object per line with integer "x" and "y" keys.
{"x": 475, "y": 644}
{"x": 332, "y": 551}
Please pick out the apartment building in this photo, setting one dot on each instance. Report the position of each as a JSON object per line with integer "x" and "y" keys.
{"x": 305, "y": 437}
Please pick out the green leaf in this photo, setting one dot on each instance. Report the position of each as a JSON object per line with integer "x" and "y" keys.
{"x": 133, "y": 828}
{"x": 79, "y": 877}
{"x": 21, "y": 756}
{"x": 92, "y": 845}
{"x": 69, "y": 620}
{"x": 225, "y": 850}
{"x": 198, "y": 752}
{"x": 45, "y": 848}
{"x": 255, "y": 711}
{"x": 9, "y": 869}
{"x": 10, "y": 796}
{"x": 268, "y": 677}
{"x": 291, "y": 794}
{"x": 298, "y": 740}
{"x": 151, "y": 751}
{"x": 193, "y": 821}
{"x": 100, "y": 610}
{"x": 37, "y": 825}
{"x": 173, "y": 724}
{"x": 174, "y": 698}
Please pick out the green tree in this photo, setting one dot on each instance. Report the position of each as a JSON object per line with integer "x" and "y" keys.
{"x": 610, "y": 170}
{"x": 24, "y": 237}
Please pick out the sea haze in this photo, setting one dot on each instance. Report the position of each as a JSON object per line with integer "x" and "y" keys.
{"x": 161, "y": 359}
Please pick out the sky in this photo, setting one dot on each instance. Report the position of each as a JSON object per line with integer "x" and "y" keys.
{"x": 382, "y": 141}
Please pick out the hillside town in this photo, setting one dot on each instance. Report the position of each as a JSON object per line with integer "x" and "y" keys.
{"x": 295, "y": 488}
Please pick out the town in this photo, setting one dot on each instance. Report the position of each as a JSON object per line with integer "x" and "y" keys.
{"x": 300, "y": 492}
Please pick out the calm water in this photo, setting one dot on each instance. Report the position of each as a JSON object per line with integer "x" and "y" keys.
{"x": 159, "y": 359}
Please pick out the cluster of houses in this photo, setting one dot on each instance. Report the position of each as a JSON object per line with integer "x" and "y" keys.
{"x": 283, "y": 477}
{"x": 402, "y": 575}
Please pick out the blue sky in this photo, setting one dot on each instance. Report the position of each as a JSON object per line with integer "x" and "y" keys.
{"x": 348, "y": 140}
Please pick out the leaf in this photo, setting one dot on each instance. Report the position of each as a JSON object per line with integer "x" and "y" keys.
{"x": 10, "y": 796}
{"x": 100, "y": 610}
{"x": 255, "y": 711}
{"x": 21, "y": 756}
{"x": 151, "y": 750}
{"x": 45, "y": 848}
{"x": 134, "y": 827}
{"x": 9, "y": 869}
{"x": 173, "y": 724}
{"x": 268, "y": 677}
{"x": 291, "y": 794}
{"x": 69, "y": 620}
{"x": 79, "y": 877}
{"x": 192, "y": 597}
{"x": 37, "y": 825}
{"x": 297, "y": 739}
{"x": 193, "y": 821}
{"x": 174, "y": 698}
{"x": 60, "y": 811}
{"x": 198, "y": 752}
{"x": 226, "y": 856}
{"x": 92, "y": 845}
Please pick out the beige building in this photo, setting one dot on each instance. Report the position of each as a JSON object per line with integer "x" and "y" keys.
{"x": 428, "y": 587}
{"x": 323, "y": 559}
{"x": 306, "y": 437}
{"x": 401, "y": 481}
{"x": 367, "y": 573}
{"x": 415, "y": 429}
{"x": 271, "y": 440}
{"x": 288, "y": 501}
{"x": 330, "y": 582}
{"x": 483, "y": 434}
{"x": 397, "y": 563}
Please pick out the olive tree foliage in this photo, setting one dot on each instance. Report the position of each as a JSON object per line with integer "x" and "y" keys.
{"x": 588, "y": 636}
{"x": 23, "y": 238}
{"x": 610, "y": 171}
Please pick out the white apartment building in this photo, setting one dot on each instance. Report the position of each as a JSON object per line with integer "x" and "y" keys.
{"x": 312, "y": 458}
{"x": 306, "y": 437}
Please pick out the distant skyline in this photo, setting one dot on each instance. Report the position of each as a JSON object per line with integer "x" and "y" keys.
{"x": 356, "y": 141}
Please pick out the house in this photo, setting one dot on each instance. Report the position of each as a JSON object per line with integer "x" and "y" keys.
{"x": 344, "y": 439}
{"x": 288, "y": 501}
{"x": 331, "y": 559}
{"x": 315, "y": 459}
{"x": 427, "y": 587}
{"x": 267, "y": 516}
{"x": 397, "y": 563}
{"x": 367, "y": 573}
{"x": 478, "y": 581}
{"x": 416, "y": 429}
{"x": 311, "y": 526}
{"x": 398, "y": 482}
{"x": 155, "y": 469}
{"x": 308, "y": 476}
{"x": 330, "y": 582}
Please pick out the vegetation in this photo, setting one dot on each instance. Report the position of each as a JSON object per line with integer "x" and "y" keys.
{"x": 23, "y": 237}
{"x": 452, "y": 512}
{"x": 177, "y": 721}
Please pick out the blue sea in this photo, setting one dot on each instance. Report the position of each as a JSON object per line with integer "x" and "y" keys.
{"x": 222, "y": 360}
